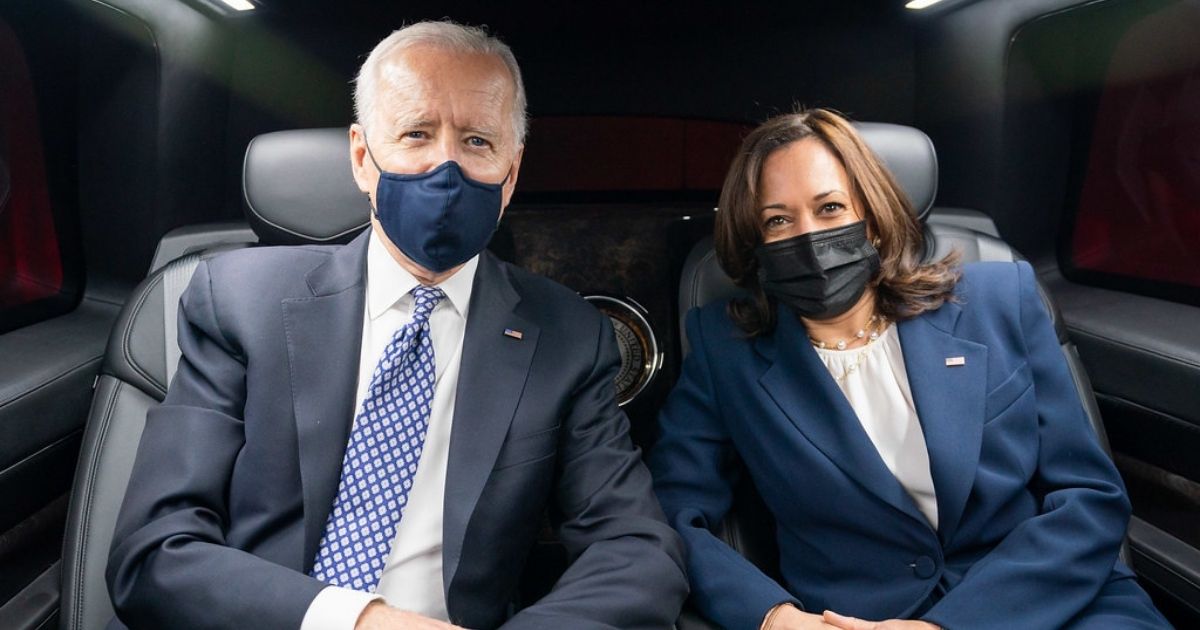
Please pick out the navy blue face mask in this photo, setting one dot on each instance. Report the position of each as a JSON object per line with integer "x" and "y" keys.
{"x": 439, "y": 219}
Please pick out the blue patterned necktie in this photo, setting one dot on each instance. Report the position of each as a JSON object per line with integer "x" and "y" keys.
{"x": 382, "y": 456}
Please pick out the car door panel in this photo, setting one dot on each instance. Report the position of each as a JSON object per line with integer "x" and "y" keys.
{"x": 1143, "y": 356}
{"x": 46, "y": 378}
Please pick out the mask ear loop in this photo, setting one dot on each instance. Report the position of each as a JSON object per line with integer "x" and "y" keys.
{"x": 502, "y": 183}
{"x": 367, "y": 144}
{"x": 370, "y": 201}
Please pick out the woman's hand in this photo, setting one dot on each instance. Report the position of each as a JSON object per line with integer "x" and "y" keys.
{"x": 788, "y": 617}
{"x": 841, "y": 622}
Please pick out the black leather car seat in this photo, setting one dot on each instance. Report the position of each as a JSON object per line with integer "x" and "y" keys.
{"x": 749, "y": 527}
{"x": 298, "y": 190}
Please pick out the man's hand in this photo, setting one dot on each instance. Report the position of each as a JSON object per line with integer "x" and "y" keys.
{"x": 379, "y": 616}
{"x": 850, "y": 623}
{"x": 788, "y": 617}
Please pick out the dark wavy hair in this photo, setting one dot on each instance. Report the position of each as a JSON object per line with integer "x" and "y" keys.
{"x": 904, "y": 286}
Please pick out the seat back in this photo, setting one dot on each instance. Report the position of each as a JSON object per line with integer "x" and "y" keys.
{"x": 749, "y": 527}
{"x": 298, "y": 190}
{"x": 132, "y": 380}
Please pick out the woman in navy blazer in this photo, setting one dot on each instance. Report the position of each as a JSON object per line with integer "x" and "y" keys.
{"x": 993, "y": 507}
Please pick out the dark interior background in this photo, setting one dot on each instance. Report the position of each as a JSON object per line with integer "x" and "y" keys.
{"x": 146, "y": 107}
{"x": 169, "y": 94}
{"x": 224, "y": 80}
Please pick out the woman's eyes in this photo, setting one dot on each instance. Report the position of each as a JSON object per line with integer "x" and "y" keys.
{"x": 776, "y": 221}
{"x": 829, "y": 209}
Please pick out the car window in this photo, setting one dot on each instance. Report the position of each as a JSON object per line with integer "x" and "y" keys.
{"x": 35, "y": 281}
{"x": 1135, "y": 204}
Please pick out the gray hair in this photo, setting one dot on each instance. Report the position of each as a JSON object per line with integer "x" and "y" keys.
{"x": 443, "y": 34}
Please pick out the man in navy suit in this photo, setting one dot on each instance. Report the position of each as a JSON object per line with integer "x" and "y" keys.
{"x": 368, "y": 436}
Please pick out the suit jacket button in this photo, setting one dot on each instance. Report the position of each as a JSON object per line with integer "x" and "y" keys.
{"x": 924, "y": 567}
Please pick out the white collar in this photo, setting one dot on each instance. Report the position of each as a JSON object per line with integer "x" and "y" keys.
{"x": 388, "y": 282}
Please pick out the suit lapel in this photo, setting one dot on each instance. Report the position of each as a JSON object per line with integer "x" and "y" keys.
{"x": 950, "y": 403}
{"x": 806, "y": 393}
{"x": 324, "y": 338}
{"x": 490, "y": 383}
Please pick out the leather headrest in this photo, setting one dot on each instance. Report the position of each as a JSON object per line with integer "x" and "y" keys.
{"x": 299, "y": 190}
{"x": 908, "y": 153}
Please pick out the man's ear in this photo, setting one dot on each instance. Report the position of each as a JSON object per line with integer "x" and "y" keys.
{"x": 364, "y": 171}
{"x": 511, "y": 185}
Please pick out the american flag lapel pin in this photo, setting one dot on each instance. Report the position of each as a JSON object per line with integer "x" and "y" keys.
{"x": 515, "y": 334}
{"x": 955, "y": 361}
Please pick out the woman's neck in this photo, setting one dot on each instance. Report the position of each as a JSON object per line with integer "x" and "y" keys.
{"x": 845, "y": 327}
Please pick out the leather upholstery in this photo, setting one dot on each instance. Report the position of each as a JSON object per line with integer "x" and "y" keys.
{"x": 941, "y": 238}
{"x": 109, "y": 445}
{"x": 76, "y": 342}
{"x": 135, "y": 352}
{"x": 298, "y": 188}
{"x": 132, "y": 380}
{"x": 910, "y": 156}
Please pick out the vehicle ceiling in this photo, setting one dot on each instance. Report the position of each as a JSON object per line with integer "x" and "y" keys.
{"x": 738, "y": 61}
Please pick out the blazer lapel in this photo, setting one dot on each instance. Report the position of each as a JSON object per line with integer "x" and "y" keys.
{"x": 804, "y": 390}
{"x": 948, "y": 379}
{"x": 324, "y": 338}
{"x": 490, "y": 384}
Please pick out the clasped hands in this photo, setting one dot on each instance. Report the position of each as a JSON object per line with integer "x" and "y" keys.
{"x": 380, "y": 616}
{"x": 788, "y": 617}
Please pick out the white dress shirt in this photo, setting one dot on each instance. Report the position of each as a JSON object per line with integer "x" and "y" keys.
{"x": 878, "y": 390}
{"x": 412, "y": 576}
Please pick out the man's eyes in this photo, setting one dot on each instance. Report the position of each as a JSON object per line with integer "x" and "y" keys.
{"x": 475, "y": 142}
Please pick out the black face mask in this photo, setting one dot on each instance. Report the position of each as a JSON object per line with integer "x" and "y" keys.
{"x": 819, "y": 274}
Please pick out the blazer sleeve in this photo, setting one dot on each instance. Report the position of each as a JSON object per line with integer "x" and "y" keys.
{"x": 169, "y": 565}
{"x": 695, "y": 468}
{"x": 1050, "y": 567}
{"x": 626, "y": 568}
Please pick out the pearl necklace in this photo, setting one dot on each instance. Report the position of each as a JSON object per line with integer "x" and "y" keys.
{"x": 842, "y": 344}
{"x": 861, "y": 355}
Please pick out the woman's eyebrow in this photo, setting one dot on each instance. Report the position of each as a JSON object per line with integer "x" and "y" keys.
{"x": 821, "y": 196}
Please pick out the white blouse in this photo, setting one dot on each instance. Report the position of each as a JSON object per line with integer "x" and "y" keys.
{"x": 874, "y": 380}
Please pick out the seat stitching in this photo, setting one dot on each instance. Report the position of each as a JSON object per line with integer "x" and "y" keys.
{"x": 85, "y": 518}
{"x": 128, "y": 332}
{"x": 68, "y": 372}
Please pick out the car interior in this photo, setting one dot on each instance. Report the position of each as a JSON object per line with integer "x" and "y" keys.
{"x": 140, "y": 137}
